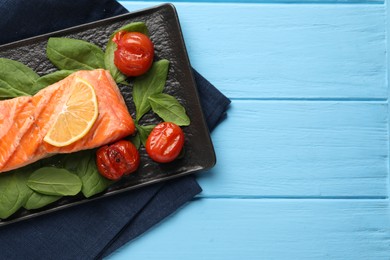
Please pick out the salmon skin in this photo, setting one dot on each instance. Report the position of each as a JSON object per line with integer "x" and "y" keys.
{"x": 24, "y": 121}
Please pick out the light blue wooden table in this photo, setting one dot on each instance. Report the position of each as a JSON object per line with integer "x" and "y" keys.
{"x": 303, "y": 157}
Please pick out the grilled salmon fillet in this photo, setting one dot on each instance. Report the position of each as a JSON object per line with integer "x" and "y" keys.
{"x": 24, "y": 121}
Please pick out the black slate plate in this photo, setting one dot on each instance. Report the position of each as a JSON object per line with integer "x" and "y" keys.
{"x": 165, "y": 33}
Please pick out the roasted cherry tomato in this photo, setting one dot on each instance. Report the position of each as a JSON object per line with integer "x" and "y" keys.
{"x": 114, "y": 161}
{"x": 134, "y": 53}
{"x": 165, "y": 142}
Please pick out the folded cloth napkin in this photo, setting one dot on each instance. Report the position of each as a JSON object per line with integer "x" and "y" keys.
{"x": 95, "y": 229}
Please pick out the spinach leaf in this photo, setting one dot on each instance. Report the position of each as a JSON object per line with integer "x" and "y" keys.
{"x": 83, "y": 163}
{"x": 13, "y": 191}
{"x": 54, "y": 181}
{"x": 144, "y": 132}
{"x": 150, "y": 83}
{"x": 169, "y": 109}
{"x": 111, "y": 48}
{"x": 109, "y": 63}
{"x": 136, "y": 140}
{"x": 37, "y": 200}
{"x": 74, "y": 54}
{"x": 11, "y": 198}
{"x": 133, "y": 27}
{"x": 16, "y": 79}
{"x": 49, "y": 79}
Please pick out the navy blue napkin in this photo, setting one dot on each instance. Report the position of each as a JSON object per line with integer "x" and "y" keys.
{"x": 95, "y": 229}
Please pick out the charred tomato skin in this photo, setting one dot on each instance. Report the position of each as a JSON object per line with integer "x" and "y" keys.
{"x": 118, "y": 159}
{"x": 165, "y": 142}
{"x": 134, "y": 54}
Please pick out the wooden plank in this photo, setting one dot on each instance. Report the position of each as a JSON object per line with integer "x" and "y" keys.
{"x": 287, "y": 51}
{"x": 308, "y": 149}
{"x": 387, "y": 28}
{"x": 277, "y": 147}
{"x": 270, "y": 1}
{"x": 269, "y": 229}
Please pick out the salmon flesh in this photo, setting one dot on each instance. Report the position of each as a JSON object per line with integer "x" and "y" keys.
{"x": 24, "y": 121}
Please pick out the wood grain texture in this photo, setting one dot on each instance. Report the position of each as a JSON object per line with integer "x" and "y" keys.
{"x": 269, "y": 229}
{"x": 388, "y": 80}
{"x": 124, "y": 2}
{"x": 288, "y": 148}
{"x": 287, "y": 51}
{"x": 303, "y": 156}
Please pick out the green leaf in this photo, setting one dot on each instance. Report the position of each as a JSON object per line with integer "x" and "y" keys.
{"x": 73, "y": 54}
{"x": 132, "y": 27}
{"x": 111, "y": 48}
{"x": 150, "y": 83}
{"x": 16, "y": 79}
{"x": 136, "y": 140}
{"x": 38, "y": 200}
{"x": 13, "y": 191}
{"x": 49, "y": 79}
{"x": 83, "y": 163}
{"x": 169, "y": 109}
{"x": 144, "y": 132}
{"x": 54, "y": 181}
{"x": 109, "y": 63}
{"x": 11, "y": 198}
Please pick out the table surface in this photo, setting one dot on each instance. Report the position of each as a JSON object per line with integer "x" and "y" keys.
{"x": 303, "y": 156}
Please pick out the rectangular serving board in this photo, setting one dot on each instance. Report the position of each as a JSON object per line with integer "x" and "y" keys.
{"x": 165, "y": 32}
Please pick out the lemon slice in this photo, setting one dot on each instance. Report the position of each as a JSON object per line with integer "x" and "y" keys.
{"x": 77, "y": 117}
